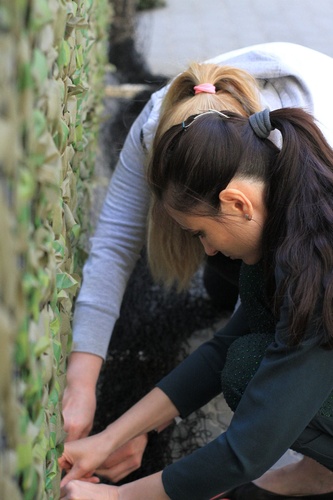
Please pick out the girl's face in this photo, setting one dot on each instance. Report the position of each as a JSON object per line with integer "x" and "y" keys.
{"x": 236, "y": 232}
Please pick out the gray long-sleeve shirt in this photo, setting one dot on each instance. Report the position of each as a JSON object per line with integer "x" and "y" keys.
{"x": 287, "y": 74}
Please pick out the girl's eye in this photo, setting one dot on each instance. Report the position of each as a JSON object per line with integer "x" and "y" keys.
{"x": 198, "y": 234}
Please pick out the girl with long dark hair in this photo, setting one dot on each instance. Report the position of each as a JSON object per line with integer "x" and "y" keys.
{"x": 258, "y": 189}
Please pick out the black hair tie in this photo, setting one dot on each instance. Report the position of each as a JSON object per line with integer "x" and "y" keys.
{"x": 261, "y": 123}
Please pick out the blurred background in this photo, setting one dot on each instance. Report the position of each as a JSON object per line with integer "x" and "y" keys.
{"x": 151, "y": 41}
{"x": 182, "y": 31}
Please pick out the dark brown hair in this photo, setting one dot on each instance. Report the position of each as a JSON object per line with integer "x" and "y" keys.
{"x": 194, "y": 161}
{"x": 173, "y": 255}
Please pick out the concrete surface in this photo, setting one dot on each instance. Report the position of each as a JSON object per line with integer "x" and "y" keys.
{"x": 185, "y": 30}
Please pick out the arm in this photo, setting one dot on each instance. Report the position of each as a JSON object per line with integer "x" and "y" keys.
{"x": 197, "y": 380}
{"x": 79, "y": 401}
{"x": 200, "y": 371}
{"x": 80, "y": 458}
{"x": 289, "y": 75}
{"x": 150, "y": 413}
{"x": 149, "y": 488}
{"x": 127, "y": 458}
{"x": 79, "y": 404}
{"x": 285, "y": 394}
{"x": 115, "y": 248}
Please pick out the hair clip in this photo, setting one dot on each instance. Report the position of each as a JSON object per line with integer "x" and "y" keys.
{"x": 209, "y": 111}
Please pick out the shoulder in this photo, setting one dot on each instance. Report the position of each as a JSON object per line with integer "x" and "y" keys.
{"x": 273, "y": 60}
{"x": 289, "y": 75}
{"x": 152, "y": 116}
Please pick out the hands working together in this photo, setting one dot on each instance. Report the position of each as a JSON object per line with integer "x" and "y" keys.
{"x": 115, "y": 452}
{"x": 86, "y": 457}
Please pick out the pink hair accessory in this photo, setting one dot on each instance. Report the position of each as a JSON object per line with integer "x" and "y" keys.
{"x": 207, "y": 88}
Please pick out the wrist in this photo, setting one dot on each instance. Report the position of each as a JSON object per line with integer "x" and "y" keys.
{"x": 147, "y": 488}
{"x": 108, "y": 441}
{"x": 83, "y": 371}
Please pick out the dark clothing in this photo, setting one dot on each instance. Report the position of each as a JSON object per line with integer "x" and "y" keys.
{"x": 282, "y": 397}
{"x": 225, "y": 267}
{"x": 221, "y": 277}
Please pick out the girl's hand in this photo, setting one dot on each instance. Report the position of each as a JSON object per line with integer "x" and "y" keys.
{"x": 125, "y": 460}
{"x": 81, "y": 490}
{"x": 79, "y": 401}
{"x": 79, "y": 404}
{"x": 81, "y": 458}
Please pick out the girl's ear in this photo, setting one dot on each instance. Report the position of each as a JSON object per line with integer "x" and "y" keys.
{"x": 235, "y": 202}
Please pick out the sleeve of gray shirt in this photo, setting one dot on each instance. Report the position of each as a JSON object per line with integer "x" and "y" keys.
{"x": 115, "y": 247}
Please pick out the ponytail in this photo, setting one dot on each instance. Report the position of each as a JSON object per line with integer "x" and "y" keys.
{"x": 175, "y": 259}
{"x": 235, "y": 90}
{"x": 300, "y": 207}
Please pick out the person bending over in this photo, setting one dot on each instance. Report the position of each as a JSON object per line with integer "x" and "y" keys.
{"x": 223, "y": 180}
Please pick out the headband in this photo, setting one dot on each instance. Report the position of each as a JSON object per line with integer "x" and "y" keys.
{"x": 207, "y": 88}
{"x": 261, "y": 123}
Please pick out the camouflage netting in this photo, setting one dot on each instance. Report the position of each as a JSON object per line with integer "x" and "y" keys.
{"x": 52, "y": 56}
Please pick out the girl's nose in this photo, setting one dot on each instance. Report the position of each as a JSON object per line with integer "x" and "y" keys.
{"x": 210, "y": 251}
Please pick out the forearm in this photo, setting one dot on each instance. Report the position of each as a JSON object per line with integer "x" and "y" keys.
{"x": 83, "y": 371}
{"x": 114, "y": 247}
{"x": 79, "y": 401}
{"x": 153, "y": 411}
{"x": 148, "y": 488}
